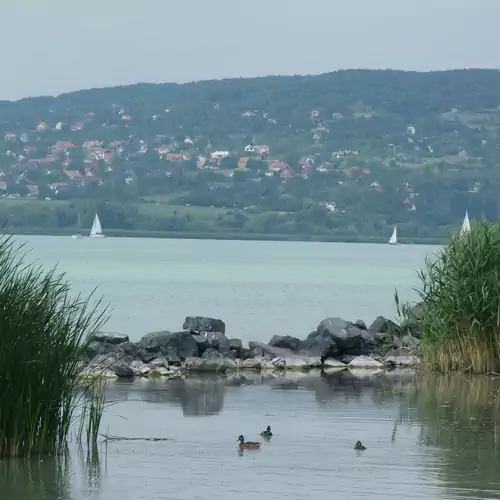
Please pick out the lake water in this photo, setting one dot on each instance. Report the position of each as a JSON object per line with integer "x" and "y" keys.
{"x": 257, "y": 288}
{"x": 429, "y": 438}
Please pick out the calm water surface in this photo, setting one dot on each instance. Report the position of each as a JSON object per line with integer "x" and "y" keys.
{"x": 426, "y": 439}
{"x": 258, "y": 288}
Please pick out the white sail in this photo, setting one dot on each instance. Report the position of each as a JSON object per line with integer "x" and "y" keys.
{"x": 465, "y": 224}
{"x": 394, "y": 237}
{"x": 96, "y": 231}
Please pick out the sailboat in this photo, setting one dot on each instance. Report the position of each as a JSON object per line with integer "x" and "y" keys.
{"x": 96, "y": 231}
{"x": 394, "y": 238}
{"x": 465, "y": 224}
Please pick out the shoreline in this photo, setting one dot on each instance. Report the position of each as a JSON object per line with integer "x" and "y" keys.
{"x": 223, "y": 236}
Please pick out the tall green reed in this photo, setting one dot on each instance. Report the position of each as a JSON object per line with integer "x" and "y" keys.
{"x": 42, "y": 330}
{"x": 461, "y": 294}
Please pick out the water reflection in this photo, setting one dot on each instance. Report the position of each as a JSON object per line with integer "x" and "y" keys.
{"x": 460, "y": 418}
{"x": 439, "y": 433}
{"x": 46, "y": 479}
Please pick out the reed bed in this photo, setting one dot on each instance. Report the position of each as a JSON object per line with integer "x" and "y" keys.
{"x": 42, "y": 330}
{"x": 461, "y": 294}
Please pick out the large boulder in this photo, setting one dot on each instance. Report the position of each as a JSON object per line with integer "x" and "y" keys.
{"x": 202, "y": 324}
{"x": 320, "y": 345}
{"x": 349, "y": 338}
{"x": 286, "y": 342}
{"x": 383, "y": 325}
{"x": 123, "y": 367}
{"x": 182, "y": 343}
{"x": 215, "y": 340}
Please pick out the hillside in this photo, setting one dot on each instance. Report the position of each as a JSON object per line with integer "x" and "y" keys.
{"x": 341, "y": 155}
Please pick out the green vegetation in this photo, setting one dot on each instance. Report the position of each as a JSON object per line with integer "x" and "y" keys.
{"x": 341, "y": 156}
{"x": 42, "y": 331}
{"x": 460, "y": 316}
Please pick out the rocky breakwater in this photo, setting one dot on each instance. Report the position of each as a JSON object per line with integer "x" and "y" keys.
{"x": 203, "y": 347}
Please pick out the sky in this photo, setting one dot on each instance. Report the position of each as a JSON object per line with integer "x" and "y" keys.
{"x": 56, "y": 46}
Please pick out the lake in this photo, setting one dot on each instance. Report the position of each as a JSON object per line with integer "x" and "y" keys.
{"x": 432, "y": 437}
{"x": 257, "y": 288}
{"x": 427, "y": 437}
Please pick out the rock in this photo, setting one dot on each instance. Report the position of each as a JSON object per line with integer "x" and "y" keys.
{"x": 202, "y": 324}
{"x": 410, "y": 341}
{"x": 158, "y": 372}
{"x": 295, "y": 363}
{"x": 201, "y": 365}
{"x": 172, "y": 358}
{"x": 211, "y": 353}
{"x": 360, "y": 324}
{"x": 129, "y": 348}
{"x": 104, "y": 361}
{"x": 333, "y": 364}
{"x": 183, "y": 343}
{"x": 236, "y": 345}
{"x": 320, "y": 345}
{"x": 159, "y": 362}
{"x": 246, "y": 354}
{"x": 154, "y": 341}
{"x": 146, "y": 356}
{"x": 252, "y": 364}
{"x": 110, "y": 338}
{"x": 383, "y": 325}
{"x": 401, "y": 357}
{"x": 364, "y": 362}
{"x": 95, "y": 348}
{"x": 123, "y": 368}
{"x": 218, "y": 341}
{"x": 348, "y": 338}
{"x": 286, "y": 342}
{"x": 140, "y": 368}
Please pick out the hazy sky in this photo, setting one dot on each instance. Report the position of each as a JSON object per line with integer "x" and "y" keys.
{"x": 54, "y": 46}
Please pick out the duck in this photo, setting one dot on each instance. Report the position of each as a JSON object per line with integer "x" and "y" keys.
{"x": 248, "y": 445}
{"x": 267, "y": 433}
{"x": 359, "y": 446}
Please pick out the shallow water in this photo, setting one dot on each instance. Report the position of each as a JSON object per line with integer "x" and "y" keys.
{"x": 431, "y": 437}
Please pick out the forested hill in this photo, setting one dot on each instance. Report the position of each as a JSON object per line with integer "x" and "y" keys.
{"x": 349, "y": 152}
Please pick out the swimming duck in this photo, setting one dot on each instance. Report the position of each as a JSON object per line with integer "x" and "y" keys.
{"x": 267, "y": 433}
{"x": 248, "y": 445}
{"x": 359, "y": 446}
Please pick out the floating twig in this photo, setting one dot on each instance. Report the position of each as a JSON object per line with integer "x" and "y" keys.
{"x": 124, "y": 438}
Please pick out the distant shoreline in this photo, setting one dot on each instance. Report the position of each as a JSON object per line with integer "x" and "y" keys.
{"x": 133, "y": 233}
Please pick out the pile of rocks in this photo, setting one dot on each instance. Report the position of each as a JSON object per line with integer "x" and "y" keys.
{"x": 203, "y": 346}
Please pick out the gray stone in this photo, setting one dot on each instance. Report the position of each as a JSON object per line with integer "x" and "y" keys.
{"x": 348, "y": 338}
{"x": 110, "y": 338}
{"x": 123, "y": 369}
{"x": 320, "y": 345}
{"x": 401, "y": 357}
{"x": 286, "y": 342}
{"x": 252, "y": 364}
{"x": 140, "y": 368}
{"x": 159, "y": 362}
{"x": 383, "y": 325}
{"x": 95, "y": 348}
{"x": 364, "y": 362}
{"x": 129, "y": 348}
{"x": 211, "y": 353}
{"x": 183, "y": 343}
{"x": 246, "y": 354}
{"x": 203, "y": 324}
{"x": 361, "y": 324}
{"x": 201, "y": 365}
{"x": 103, "y": 361}
{"x": 146, "y": 356}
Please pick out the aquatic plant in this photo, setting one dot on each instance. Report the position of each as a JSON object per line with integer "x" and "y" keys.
{"x": 460, "y": 324}
{"x": 42, "y": 330}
